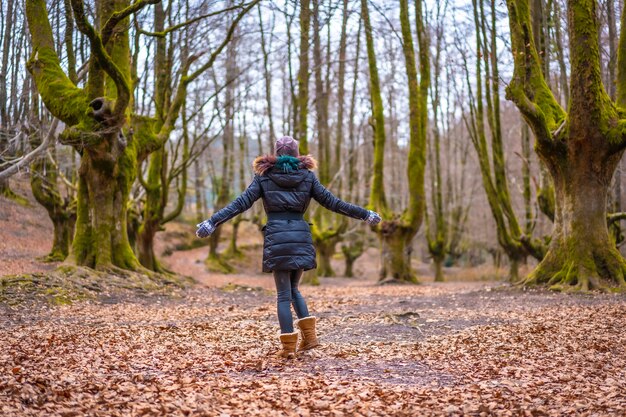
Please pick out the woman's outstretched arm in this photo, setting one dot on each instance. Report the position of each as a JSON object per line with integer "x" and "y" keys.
{"x": 237, "y": 206}
{"x": 331, "y": 202}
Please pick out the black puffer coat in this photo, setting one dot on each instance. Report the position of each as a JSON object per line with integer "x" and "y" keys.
{"x": 286, "y": 194}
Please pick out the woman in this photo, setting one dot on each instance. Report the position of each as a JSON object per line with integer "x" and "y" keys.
{"x": 286, "y": 184}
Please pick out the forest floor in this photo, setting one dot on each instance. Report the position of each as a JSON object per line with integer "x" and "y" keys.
{"x": 464, "y": 347}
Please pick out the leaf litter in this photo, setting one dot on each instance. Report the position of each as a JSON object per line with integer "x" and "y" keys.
{"x": 456, "y": 349}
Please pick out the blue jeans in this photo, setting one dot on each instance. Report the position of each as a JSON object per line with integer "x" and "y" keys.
{"x": 288, "y": 294}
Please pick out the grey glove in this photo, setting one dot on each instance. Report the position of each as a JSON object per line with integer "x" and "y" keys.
{"x": 205, "y": 229}
{"x": 373, "y": 219}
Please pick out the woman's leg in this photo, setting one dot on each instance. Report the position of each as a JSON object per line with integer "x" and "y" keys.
{"x": 283, "y": 300}
{"x": 306, "y": 323}
{"x": 297, "y": 300}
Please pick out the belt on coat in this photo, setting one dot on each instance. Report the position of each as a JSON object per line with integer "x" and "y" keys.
{"x": 285, "y": 215}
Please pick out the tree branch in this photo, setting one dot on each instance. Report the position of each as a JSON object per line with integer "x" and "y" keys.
{"x": 163, "y": 33}
{"x": 612, "y": 217}
{"x": 181, "y": 90}
{"x": 528, "y": 88}
{"x": 28, "y": 158}
{"x": 62, "y": 98}
{"x": 216, "y": 53}
{"x": 116, "y": 17}
{"x": 105, "y": 61}
{"x": 587, "y": 94}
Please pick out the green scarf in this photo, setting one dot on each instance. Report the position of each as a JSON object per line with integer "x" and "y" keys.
{"x": 287, "y": 163}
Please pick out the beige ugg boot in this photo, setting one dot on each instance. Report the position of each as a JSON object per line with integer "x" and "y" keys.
{"x": 289, "y": 342}
{"x": 309, "y": 337}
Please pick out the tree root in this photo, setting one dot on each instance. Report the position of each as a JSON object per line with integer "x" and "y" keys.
{"x": 52, "y": 257}
{"x": 601, "y": 270}
{"x": 233, "y": 254}
{"x": 9, "y": 194}
{"x": 396, "y": 281}
{"x": 217, "y": 264}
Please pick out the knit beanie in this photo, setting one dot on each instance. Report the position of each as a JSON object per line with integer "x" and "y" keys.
{"x": 287, "y": 146}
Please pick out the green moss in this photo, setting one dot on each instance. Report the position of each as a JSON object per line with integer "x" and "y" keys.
{"x": 17, "y": 289}
{"x": 218, "y": 264}
{"x": 396, "y": 259}
{"x": 64, "y": 100}
{"x": 68, "y": 284}
{"x": 82, "y": 242}
{"x": 377, "y": 200}
{"x": 144, "y": 134}
{"x": 311, "y": 278}
{"x": 325, "y": 252}
{"x": 54, "y": 256}
{"x": 61, "y": 296}
{"x": 528, "y": 88}
{"x": 351, "y": 252}
{"x": 574, "y": 266}
{"x": 230, "y": 287}
{"x": 61, "y": 97}
{"x": 418, "y": 114}
{"x": 9, "y": 194}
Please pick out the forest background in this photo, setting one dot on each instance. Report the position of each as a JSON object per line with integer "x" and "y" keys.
{"x": 253, "y": 93}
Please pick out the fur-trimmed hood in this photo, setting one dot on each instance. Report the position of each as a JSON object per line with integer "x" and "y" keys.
{"x": 263, "y": 164}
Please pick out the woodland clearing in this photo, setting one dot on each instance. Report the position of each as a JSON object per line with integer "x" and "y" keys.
{"x": 455, "y": 348}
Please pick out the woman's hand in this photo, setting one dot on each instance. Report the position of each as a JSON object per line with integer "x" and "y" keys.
{"x": 373, "y": 219}
{"x": 205, "y": 229}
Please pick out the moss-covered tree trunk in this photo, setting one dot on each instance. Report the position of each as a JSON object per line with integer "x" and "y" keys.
{"x": 152, "y": 212}
{"x": 485, "y": 106}
{"x": 396, "y": 253}
{"x": 581, "y": 254}
{"x": 199, "y": 191}
{"x": 396, "y": 231}
{"x": 7, "y": 192}
{"x": 354, "y": 245}
{"x": 233, "y": 250}
{"x": 581, "y": 149}
{"x": 325, "y": 252}
{"x": 215, "y": 261}
{"x": 302, "y": 112}
{"x": 351, "y": 253}
{"x": 101, "y": 239}
{"x": 437, "y": 233}
{"x": 96, "y": 120}
{"x": 325, "y": 242}
{"x": 62, "y": 238}
{"x": 155, "y": 186}
{"x": 438, "y": 262}
{"x": 328, "y": 228}
{"x": 168, "y": 103}
{"x": 43, "y": 180}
